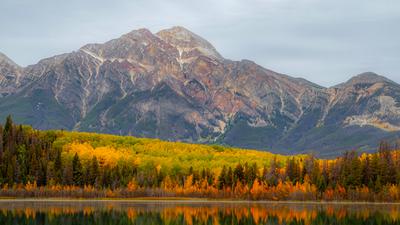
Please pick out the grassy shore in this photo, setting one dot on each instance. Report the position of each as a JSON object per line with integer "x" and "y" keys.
{"x": 190, "y": 201}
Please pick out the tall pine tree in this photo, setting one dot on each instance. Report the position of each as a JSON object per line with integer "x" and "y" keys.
{"x": 77, "y": 174}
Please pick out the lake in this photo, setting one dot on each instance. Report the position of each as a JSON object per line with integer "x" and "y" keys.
{"x": 27, "y": 212}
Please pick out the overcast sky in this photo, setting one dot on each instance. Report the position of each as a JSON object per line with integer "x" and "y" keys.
{"x": 325, "y": 41}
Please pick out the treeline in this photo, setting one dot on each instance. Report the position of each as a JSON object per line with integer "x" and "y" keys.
{"x": 27, "y": 156}
{"x": 32, "y": 166}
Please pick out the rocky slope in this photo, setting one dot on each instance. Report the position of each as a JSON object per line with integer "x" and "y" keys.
{"x": 174, "y": 85}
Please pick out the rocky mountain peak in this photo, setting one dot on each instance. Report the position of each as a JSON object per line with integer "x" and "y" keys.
{"x": 4, "y": 60}
{"x": 141, "y": 33}
{"x": 9, "y": 75}
{"x": 188, "y": 43}
{"x": 137, "y": 45}
{"x": 366, "y": 78}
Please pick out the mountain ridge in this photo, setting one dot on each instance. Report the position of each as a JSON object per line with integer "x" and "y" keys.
{"x": 174, "y": 85}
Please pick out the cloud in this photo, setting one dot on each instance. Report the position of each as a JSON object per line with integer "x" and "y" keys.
{"x": 323, "y": 41}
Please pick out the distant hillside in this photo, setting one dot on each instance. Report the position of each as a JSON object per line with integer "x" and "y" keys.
{"x": 110, "y": 150}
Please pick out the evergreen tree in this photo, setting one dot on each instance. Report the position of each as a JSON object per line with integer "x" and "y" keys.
{"x": 375, "y": 169}
{"x": 58, "y": 171}
{"x": 386, "y": 164}
{"x": 77, "y": 171}
{"x": 41, "y": 178}
{"x": 1, "y": 142}
{"x": 293, "y": 170}
{"x": 324, "y": 178}
{"x": 238, "y": 174}
{"x": 67, "y": 178}
{"x": 10, "y": 172}
{"x": 352, "y": 170}
{"x": 251, "y": 174}
{"x": 106, "y": 178}
{"x": 366, "y": 171}
{"x": 93, "y": 171}
{"x": 22, "y": 162}
{"x": 221, "y": 178}
{"x": 33, "y": 166}
{"x": 229, "y": 178}
{"x": 8, "y": 127}
{"x": 271, "y": 175}
{"x": 8, "y": 133}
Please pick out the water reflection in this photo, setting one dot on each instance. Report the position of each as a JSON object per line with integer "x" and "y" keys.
{"x": 104, "y": 213}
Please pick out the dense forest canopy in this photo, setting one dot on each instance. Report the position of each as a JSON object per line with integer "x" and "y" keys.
{"x": 72, "y": 164}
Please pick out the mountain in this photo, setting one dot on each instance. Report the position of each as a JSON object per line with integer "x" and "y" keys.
{"x": 174, "y": 85}
{"x": 9, "y": 75}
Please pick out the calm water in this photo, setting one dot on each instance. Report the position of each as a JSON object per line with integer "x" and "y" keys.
{"x": 118, "y": 213}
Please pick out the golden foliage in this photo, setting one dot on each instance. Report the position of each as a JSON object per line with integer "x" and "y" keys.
{"x": 110, "y": 150}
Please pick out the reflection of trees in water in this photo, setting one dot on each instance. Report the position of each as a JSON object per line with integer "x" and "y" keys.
{"x": 121, "y": 213}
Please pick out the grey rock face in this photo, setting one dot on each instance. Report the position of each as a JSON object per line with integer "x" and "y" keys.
{"x": 174, "y": 85}
{"x": 9, "y": 75}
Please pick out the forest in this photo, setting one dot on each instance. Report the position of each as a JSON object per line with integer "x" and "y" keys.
{"x": 45, "y": 164}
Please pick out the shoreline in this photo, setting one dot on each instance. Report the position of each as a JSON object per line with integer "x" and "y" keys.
{"x": 186, "y": 201}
